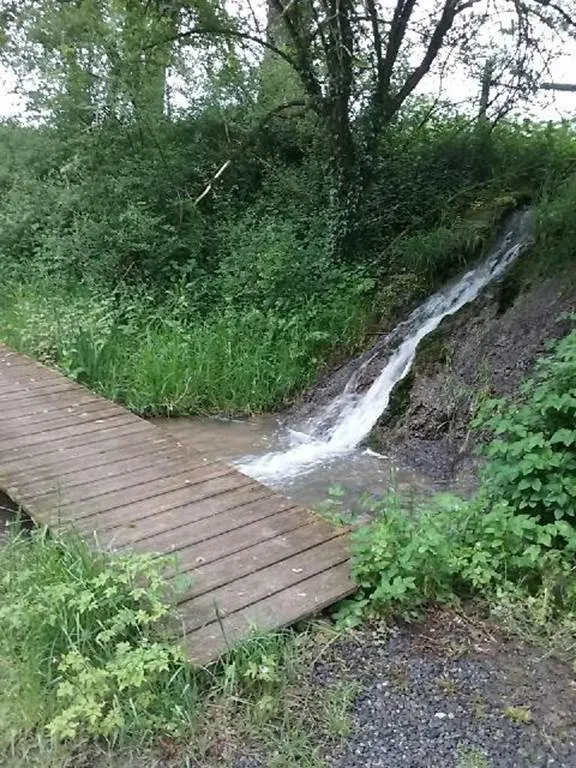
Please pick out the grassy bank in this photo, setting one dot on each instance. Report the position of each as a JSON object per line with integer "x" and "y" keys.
{"x": 165, "y": 359}
{"x": 234, "y": 306}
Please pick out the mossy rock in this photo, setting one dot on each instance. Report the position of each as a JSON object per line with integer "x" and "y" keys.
{"x": 433, "y": 352}
{"x": 397, "y": 407}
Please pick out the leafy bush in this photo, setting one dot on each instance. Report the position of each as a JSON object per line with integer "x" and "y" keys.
{"x": 556, "y": 226}
{"x": 448, "y": 548}
{"x": 532, "y": 460}
{"x": 82, "y": 643}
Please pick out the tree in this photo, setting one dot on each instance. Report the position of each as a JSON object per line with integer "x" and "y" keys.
{"x": 358, "y": 63}
{"x": 92, "y": 58}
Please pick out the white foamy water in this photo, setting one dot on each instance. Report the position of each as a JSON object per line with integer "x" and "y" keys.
{"x": 339, "y": 427}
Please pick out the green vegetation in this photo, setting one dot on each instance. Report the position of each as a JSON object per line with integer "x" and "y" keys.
{"x": 532, "y": 463}
{"x": 87, "y": 666}
{"x": 215, "y": 257}
{"x": 512, "y": 546}
{"x": 236, "y": 307}
{"x": 213, "y": 253}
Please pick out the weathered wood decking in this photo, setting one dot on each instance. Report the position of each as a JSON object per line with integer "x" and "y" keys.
{"x": 257, "y": 560}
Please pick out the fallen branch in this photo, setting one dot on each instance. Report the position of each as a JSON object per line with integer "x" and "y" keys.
{"x": 262, "y": 123}
{"x": 211, "y": 182}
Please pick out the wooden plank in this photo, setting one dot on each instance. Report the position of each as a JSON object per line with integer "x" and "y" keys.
{"x": 22, "y": 426}
{"x": 91, "y": 456}
{"x": 71, "y": 458}
{"x": 210, "y": 481}
{"x": 16, "y": 363}
{"x": 26, "y": 375}
{"x": 52, "y": 408}
{"x": 64, "y": 433}
{"x": 172, "y": 532}
{"x": 56, "y": 408}
{"x": 119, "y": 432}
{"x": 185, "y": 499}
{"x": 298, "y": 602}
{"x": 30, "y": 389}
{"x": 108, "y": 476}
{"x": 270, "y": 559}
{"x": 244, "y": 590}
{"x": 84, "y": 445}
{"x": 150, "y": 476}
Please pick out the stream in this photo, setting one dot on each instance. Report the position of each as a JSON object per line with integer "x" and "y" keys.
{"x": 258, "y": 437}
{"x": 305, "y": 458}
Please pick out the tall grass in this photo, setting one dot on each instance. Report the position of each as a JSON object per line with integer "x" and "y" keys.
{"x": 163, "y": 359}
{"x": 82, "y": 645}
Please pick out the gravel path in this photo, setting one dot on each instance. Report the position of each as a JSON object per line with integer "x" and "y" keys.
{"x": 453, "y": 696}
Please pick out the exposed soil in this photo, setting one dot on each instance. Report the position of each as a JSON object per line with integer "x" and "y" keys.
{"x": 488, "y": 348}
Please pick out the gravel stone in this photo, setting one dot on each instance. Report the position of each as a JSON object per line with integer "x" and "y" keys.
{"x": 438, "y": 699}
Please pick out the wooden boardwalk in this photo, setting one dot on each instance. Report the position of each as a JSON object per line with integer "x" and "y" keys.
{"x": 257, "y": 560}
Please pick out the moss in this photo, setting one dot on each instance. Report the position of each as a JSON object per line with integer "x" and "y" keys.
{"x": 433, "y": 352}
{"x": 509, "y": 289}
{"x": 397, "y": 407}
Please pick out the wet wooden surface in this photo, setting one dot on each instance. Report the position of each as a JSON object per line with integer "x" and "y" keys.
{"x": 257, "y": 560}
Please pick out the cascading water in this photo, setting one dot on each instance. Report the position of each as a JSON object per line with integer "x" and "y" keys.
{"x": 339, "y": 427}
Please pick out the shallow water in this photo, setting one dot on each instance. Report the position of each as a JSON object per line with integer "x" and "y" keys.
{"x": 233, "y": 440}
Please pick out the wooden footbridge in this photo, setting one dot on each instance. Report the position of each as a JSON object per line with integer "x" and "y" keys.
{"x": 257, "y": 560}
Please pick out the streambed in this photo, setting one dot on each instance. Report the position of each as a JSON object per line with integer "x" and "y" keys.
{"x": 236, "y": 440}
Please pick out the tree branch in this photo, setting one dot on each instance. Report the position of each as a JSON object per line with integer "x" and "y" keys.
{"x": 452, "y": 8}
{"x": 402, "y": 13}
{"x": 261, "y": 124}
{"x": 557, "y": 9}
{"x": 223, "y": 32}
{"x": 302, "y": 65}
{"x": 377, "y": 37}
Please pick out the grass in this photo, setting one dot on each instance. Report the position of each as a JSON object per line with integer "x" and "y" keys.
{"x": 87, "y": 672}
{"x": 165, "y": 359}
{"x": 471, "y": 758}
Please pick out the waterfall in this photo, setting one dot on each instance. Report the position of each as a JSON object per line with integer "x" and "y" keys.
{"x": 339, "y": 427}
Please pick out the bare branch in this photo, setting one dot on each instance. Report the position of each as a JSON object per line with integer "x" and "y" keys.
{"x": 223, "y": 32}
{"x": 377, "y": 37}
{"x": 261, "y": 124}
{"x": 557, "y": 9}
{"x": 452, "y": 8}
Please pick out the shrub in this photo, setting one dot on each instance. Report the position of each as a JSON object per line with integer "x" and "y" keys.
{"x": 449, "y": 549}
{"x": 532, "y": 459}
{"x": 83, "y": 643}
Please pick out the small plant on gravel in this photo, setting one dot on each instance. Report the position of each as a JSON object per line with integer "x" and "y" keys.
{"x": 471, "y": 758}
{"x": 520, "y": 715}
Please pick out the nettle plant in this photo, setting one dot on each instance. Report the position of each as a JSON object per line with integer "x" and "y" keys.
{"x": 532, "y": 458}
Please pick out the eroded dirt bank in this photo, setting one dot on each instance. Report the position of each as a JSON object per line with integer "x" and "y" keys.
{"x": 488, "y": 348}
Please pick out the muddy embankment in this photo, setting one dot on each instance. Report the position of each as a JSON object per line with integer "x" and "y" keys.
{"x": 487, "y": 348}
